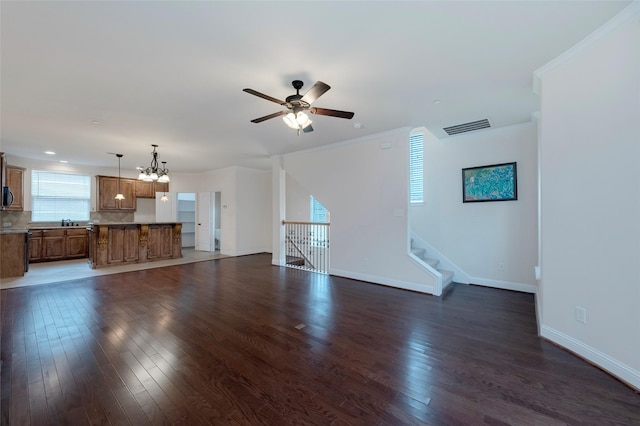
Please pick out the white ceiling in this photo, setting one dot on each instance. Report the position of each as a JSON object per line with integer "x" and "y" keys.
{"x": 172, "y": 73}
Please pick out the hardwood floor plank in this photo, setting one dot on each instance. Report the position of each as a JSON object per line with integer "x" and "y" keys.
{"x": 238, "y": 341}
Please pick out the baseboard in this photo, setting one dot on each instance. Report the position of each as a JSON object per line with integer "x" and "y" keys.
{"x": 406, "y": 285}
{"x": 611, "y": 365}
{"x": 505, "y": 285}
{"x": 244, "y": 252}
{"x": 278, "y": 262}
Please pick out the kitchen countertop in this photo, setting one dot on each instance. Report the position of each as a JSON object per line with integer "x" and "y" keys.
{"x": 13, "y": 231}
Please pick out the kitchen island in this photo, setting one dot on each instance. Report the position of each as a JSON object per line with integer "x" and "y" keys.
{"x": 112, "y": 244}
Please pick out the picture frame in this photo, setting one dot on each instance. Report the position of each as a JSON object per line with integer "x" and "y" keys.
{"x": 495, "y": 182}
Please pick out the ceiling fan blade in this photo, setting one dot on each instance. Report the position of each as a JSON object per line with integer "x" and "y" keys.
{"x": 263, "y": 96}
{"x": 267, "y": 117}
{"x": 332, "y": 112}
{"x": 308, "y": 129}
{"x": 315, "y": 92}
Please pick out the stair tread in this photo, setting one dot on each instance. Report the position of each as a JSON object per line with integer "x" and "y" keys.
{"x": 431, "y": 262}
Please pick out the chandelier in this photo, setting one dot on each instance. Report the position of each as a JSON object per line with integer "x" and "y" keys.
{"x": 153, "y": 172}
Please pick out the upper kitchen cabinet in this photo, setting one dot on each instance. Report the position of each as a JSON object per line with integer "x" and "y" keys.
{"x": 15, "y": 182}
{"x": 107, "y": 187}
{"x": 149, "y": 189}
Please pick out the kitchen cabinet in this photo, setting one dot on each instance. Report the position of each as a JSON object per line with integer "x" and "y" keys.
{"x": 76, "y": 244}
{"x": 149, "y": 189}
{"x": 53, "y": 247}
{"x": 15, "y": 181}
{"x": 122, "y": 244}
{"x": 58, "y": 244}
{"x": 12, "y": 253}
{"x": 107, "y": 187}
{"x": 160, "y": 241}
{"x": 35, "y": 246}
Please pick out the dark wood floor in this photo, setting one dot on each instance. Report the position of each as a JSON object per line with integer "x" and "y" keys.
{"x": 222, "y": 342}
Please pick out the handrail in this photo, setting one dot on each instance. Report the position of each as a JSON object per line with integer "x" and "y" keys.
{"x": 287, "y": 222}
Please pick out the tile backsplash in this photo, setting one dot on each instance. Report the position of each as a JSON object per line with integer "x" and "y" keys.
{"x": 21, "y": 220}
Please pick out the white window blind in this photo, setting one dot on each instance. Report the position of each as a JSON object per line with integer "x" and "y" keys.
{"x": 58, "y": 196}
{"x": 318, "y": 212}
{"x": 416, "y": 168}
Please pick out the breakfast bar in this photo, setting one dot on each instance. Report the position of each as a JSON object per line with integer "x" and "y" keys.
{"x": 124, "y": 243}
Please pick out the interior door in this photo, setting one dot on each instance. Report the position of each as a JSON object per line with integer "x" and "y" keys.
{"x": 204, "y": 220}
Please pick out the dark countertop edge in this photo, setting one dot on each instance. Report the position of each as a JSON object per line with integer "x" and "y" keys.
{"x": 133, "y": 223}
{"x": 41, "y": 228}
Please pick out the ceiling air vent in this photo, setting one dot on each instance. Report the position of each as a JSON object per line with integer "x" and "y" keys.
{"x": 467, "y": 127}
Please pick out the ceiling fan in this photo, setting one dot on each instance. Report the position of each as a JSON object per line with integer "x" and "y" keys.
{"x": 294, "y": 115}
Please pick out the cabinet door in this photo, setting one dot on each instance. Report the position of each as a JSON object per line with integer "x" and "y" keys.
{"x": 144, "y": 189}
{"x": 107, "y": 190}
{"x": 53, "y": 246}
{"x": 128, "y": 188}
{"x": 35, "y": 246}
{"x": 131, "y": 244}
{"x": 160, "y": 242}
{"x": 15, "y": 179}
{"x": 160, "y": 187}
{"x": 122, "y": 245}
{"x": 76, "y": 244}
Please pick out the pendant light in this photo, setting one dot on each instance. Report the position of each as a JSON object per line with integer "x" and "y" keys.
{"x": 119, "y": 196}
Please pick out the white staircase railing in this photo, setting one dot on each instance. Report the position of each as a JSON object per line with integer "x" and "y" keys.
{"x": 307, "y": 246}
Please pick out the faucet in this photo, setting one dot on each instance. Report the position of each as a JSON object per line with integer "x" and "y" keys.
{"x": 66, "y": 222}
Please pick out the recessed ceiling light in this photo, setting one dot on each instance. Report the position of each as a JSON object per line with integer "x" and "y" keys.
{"x": 63, "y": 161}
{"x": 95, "y": 121}
{"x": 50, "y": 153}
{"x": 437, "y": 101}
{"x": 357, "y": 125}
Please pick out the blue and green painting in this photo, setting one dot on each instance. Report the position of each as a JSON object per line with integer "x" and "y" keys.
{"x": 490, "y": 183}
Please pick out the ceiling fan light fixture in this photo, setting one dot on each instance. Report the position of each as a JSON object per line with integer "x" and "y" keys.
{"x": 290, "y": 120}
{"x": 302, "y": 118}
{"x": 298, "y": 120}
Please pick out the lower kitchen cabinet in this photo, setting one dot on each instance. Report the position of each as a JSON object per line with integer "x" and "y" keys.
{"x": 35, "y": 247}
{"x": 58, "y": 244}
{"x": 53, "y": 246}
{"x": 76, "y": 244}
{"x": 122, "y": 244}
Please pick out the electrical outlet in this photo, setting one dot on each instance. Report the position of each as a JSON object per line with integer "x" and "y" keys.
{"x": 500, "y": 266}
{"x": 581, "y": 314}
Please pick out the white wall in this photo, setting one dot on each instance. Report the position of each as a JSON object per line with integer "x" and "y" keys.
{"x": 254, "y": 211}
{"x": 477, "y": 237}
{"x": 298, "y": 201}
{"x": 246, "y": 208}
{"x": 365, "y": 188}
{"x": 590, "y": 197}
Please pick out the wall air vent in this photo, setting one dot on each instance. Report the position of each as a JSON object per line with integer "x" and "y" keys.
{"x": 467, "y": 127}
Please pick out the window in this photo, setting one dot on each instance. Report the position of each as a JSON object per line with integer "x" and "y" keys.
{"x": 416, "y": 168}
{"x": 58, "y": 196}
{"x": 318, "y": 212}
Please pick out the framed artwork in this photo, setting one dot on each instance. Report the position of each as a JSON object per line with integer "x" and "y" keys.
{"x": 496, "y": 182}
